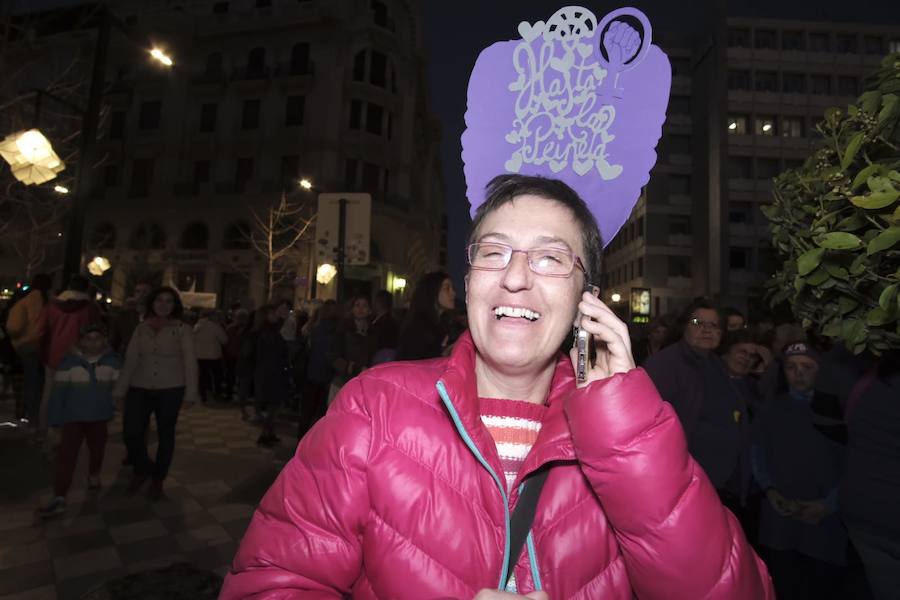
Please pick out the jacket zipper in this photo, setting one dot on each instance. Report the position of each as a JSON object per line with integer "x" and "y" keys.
{"x": 445, "y": 398}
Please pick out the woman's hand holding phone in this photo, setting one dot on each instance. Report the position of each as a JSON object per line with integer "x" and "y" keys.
{"x": 611, "y": 340}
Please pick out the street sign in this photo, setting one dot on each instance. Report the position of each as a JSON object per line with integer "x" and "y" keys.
{"x": 357, "y": 228}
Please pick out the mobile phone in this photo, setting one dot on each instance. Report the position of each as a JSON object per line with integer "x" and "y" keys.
{"x": 584, "y": 342}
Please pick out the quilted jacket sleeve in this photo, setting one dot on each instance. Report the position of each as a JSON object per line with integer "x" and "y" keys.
{"x": 677, "y": 539}
{"x": 304, "y": 540}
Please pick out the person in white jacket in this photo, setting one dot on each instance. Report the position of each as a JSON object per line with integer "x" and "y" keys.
{"x": 209, "y": 338}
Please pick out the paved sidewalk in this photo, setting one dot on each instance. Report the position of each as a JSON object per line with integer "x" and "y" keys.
{"x": 217, "y": 477}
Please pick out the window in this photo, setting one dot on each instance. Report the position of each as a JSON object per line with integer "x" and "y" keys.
{"x": 213, "y": 68}
{"x": 256, "y": 63}
{"x": 679, "y": 266}
{"x": 740, "y": 213}
{"x": 148, "y": 236}
{"x": 740, "y": 167}
{"x": 263, "y": 3}
{"x": 792, "y": 126}
{"x": 680, "y": 105}
{"x": 359, "y": 66}
{"x": 300, "y": 59}
{"x": 819, "y": 42}
{"x": 640, "y": 266}
{"x": 250, "y": 114}
{"x": 679, "y": 144}
{"x": 680, "y": 184}
{"x": 793, "y": 163}
{"x": 737, "y": 124}
{"x": 894, "y": 46}
{"x": 117, "y": 125}
{"x": 194, "y": 237}
{"x": 764, "y": 39}
{"x": 738, "y": 38}
{"x": 390, "y": 125}
{"x": 379, "y": 13}
{"x": 110, "y": 175}
{"x": 220, "y": 8}
{"x": 738, "y": 258}
{"x": 202, "y": 171}
{"x": 847, "y": 85}
{"x": 793, "y": 83}
{"x": 370, "y": 177}
{"x": 293, "y": 114}
{"x": 378, "y": 69}
{"x": 374, "y": 118}
{"x": 290, "y": 168}
{"x": 766, "y": 81}
{"x": 873, "y": 44}
{"x": 208, "y": 112}
{"x": 764, "y": 125}
{"x": 640, "y": 227}
{"x": 141, "y": 176}
{"x": 767, "y": 168}
{"x": 679, "y": 225}
{"x": 103, "y": 236}
{"x": 351, "y": 168}
{"x": 386, "y": 183}
{"x": 845, "y": 43}
{"x": 237, "y": 236}
{"x": 738, "y": 79}
{"x": 681, "y": 66}
{"x": 243, "y": 173}
{"x": 356, "y": 114}
{"x": 150, "y": 114}
{"x": 820, "y": 84}
{"x": 792, "y": 40}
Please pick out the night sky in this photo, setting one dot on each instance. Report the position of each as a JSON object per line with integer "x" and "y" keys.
{"x": 455, "y": 33}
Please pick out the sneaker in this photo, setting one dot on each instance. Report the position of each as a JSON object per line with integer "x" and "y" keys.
{"x": 93, "y": 483}
{"x": 55, "y": 507}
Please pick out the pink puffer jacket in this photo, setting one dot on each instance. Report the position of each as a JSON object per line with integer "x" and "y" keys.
{"x": 398, "y": 494}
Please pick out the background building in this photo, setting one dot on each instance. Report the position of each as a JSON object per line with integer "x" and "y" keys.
{"x": 739, "y": 114}
{"x": 263, "y": 92}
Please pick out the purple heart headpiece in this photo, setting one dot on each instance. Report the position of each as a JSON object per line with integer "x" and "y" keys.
{"x": 573, "y": 99}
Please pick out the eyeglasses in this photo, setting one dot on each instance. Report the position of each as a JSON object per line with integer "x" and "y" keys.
{"x": 552, "y": 262}
{"x": 704, "y": 324}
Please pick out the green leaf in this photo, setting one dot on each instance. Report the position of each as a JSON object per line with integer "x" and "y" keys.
{"x": 876, "y": 200}
{"x": 889, "y": 106}
{"x": 839, "y": 240}
{"x": 837, "y": 271}
{"x": 832, "y": 328}
{"x": 894, "y": 175}
{"x": 887, "y": 297}
{"x": 884, "y": 240}
{"x": 808, "y": 261}
{"x": 818, "y": 277}
{"x": 859, "y": 265}
{"x": 864, "y": 175}
{"x": 870, "y": 101}
{"x": 852, "y": 148}
{"x": 878, "y": 183}
{"x": 878, "y": 317}
{"x": 853, "y": 222}
{"x": 853, "y": 331}
{"x": 846, "y": 304}
{"x": 799, "y": 283}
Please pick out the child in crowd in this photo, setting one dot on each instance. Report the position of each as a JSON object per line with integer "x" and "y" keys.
{"x": 81, "y": 403}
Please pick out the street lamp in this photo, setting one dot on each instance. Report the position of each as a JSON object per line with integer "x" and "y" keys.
{"x": 98, "y": 266}
{"x": 162, "y": 57}
{"x": 60, "y": 189}
{"x": 616, "y": 297}
{"x": 306, "y": 184}
{"x": 325, "y": 273}
{"x": 31, "y": 157}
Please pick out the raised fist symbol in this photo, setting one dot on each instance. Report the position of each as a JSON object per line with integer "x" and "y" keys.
{"x": 622, "y": 42}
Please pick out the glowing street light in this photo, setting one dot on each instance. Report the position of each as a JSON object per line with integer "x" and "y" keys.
{"x": 306, "y": 184}
{"x": 162, "y": 57}
{"x": 732, "y": 125}
{"x": 616, "y": 297}
{"x": 98, "y": 266}
{"x": 31, "y": 157}
{"x": 60, "y": 189}
{"x": 325, "y": 273}
{"x": 767, "y": 127}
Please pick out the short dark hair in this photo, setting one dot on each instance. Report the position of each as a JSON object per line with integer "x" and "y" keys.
{"x": 177, "y": 308}
{"x": 699, "y": 303}
{"x": 78, "y": 283}
{"x": 503, "y": 189}
{"x": 733, "y": 338}
{"x": 730, "y": 311}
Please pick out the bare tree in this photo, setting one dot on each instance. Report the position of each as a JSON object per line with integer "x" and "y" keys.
{"x": 276, "y": 235}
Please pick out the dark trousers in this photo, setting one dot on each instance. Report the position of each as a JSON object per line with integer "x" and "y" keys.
{"x": 210, "y": 376}
{"x": 230, "y": 378}
{"x": 32, "y": 386}
{"x": 73, "y": 434}
{"x": 800, "y": 577}
{"x": 139, "y": 405}
{"x": 313, "y": 404}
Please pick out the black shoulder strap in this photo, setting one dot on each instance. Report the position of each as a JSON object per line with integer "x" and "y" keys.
{"x": 523, "y": 516}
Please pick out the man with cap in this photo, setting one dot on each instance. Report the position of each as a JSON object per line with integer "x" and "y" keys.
{"x": 799, "y": 468}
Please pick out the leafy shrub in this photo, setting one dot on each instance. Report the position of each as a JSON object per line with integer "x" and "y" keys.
{"x": 835, "y": 222}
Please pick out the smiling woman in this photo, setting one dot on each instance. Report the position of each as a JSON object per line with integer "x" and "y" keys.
{"x": 406, "y": 488}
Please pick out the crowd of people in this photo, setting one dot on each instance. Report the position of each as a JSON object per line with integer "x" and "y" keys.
{"x": 800, "y": 440}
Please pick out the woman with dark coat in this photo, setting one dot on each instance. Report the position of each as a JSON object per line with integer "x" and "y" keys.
{"x": 422, "y": 334}
{"x": 271, "y": 376}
